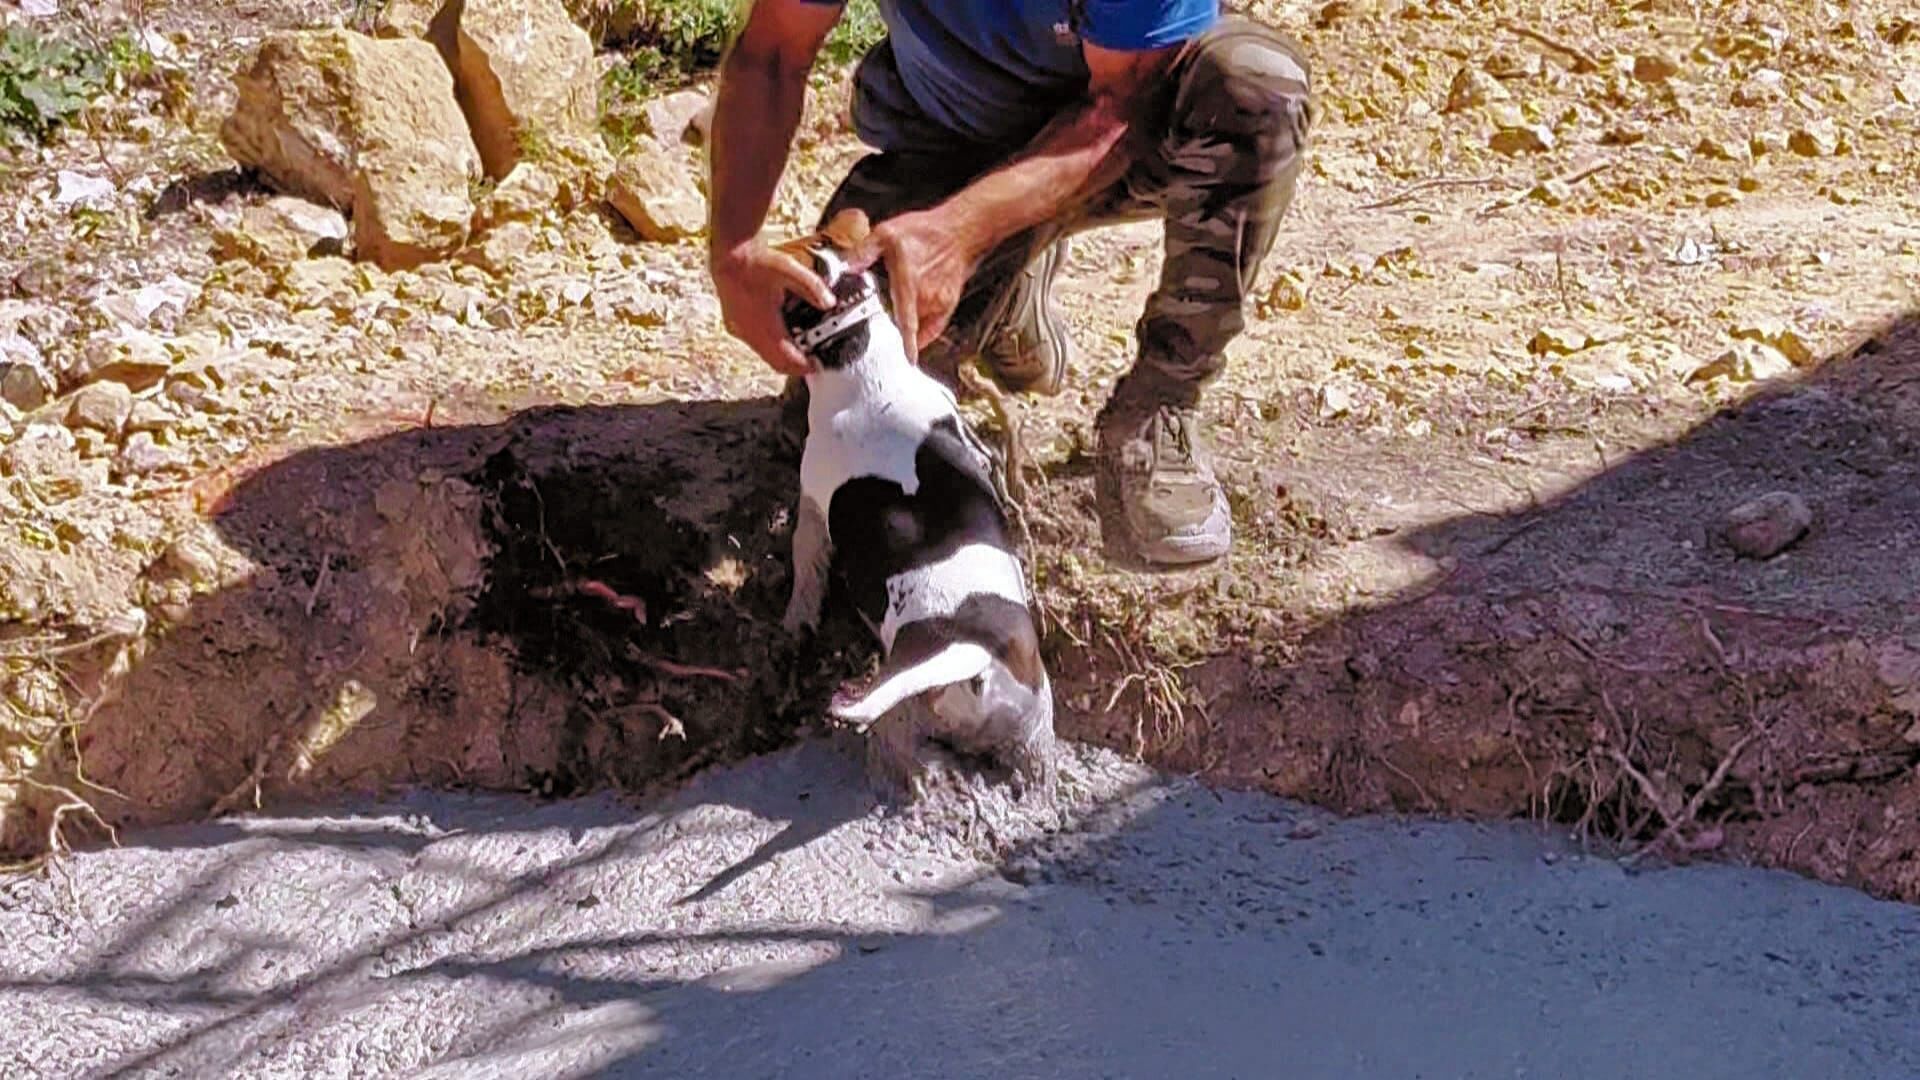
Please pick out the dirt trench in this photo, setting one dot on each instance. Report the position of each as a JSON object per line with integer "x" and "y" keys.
{"x": 581, "y": 598}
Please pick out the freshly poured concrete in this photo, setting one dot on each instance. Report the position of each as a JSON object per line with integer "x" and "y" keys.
{"x": 768, "y": 922}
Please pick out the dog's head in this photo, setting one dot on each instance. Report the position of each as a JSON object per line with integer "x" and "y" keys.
{"x": 835, "y": 338}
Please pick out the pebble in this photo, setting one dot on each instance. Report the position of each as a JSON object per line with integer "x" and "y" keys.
{"x": 1764, "y": 527}
{"x": 101, "y": 406}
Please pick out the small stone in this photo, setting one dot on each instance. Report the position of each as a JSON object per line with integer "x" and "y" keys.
{"x": 143, "y": 456}
{"x": 1777, "y": 333}
{"x": 680, "y": 117}
{"x": 1907, "y": 90}
{"x": 1527, "y": 139}
{"x": 150, "y": 414}
{"x": 1513, "y": 64}
{"x": 1745, "y": 361}
{"x": 331, "y": 283}
{"x": 75, "y": 189}
{"x": 1558, "y": 340}
{"x": 1335, "y": 401}
{"x": 1764, "y": 87}
{"x": 1654, "y": 67}
{"x": 1628, "y": 133}
{"x": 1762, "y": 143}
{"x": 102, "y": 407}
{"x": 641, "y": 309}
{"x": 655, "y": 194}
{"x": 528, "y": 193}
{"x": 1820, "y": 138}
{"x": 1764, "y": 527}
{"x": 1288, "y": 292}
{"x": 502, "y": 248}
{"x": 1551, "y": 192}
{"x": 1748, "y": 183}
{"x": 25, "y": 384}
{"x": 283, "y": 229}
{"x": 1472, "y": 88}
{"x": 1722, "y": 197}
{"x": 134, "y": 358}
{"x": 1719, "y": 149}
{"x": 406, "y": 18}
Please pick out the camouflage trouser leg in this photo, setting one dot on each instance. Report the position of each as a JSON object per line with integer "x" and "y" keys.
{"x": 1232, "y": 146}
{"x": 1230, "y": 140}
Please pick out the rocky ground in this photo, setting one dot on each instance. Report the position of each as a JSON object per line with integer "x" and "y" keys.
{"x": 1571, "y": 445}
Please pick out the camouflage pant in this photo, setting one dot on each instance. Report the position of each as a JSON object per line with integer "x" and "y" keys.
{"x": 1227, "y": 141}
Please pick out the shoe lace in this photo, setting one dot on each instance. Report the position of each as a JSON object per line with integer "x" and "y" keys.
{"x": 1176, "y": 431}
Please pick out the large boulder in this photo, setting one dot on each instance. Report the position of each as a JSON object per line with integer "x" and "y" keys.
{"x": 370, "y": 126}
{"x": 653, "y": 189}
{"x": 525, "y": 76}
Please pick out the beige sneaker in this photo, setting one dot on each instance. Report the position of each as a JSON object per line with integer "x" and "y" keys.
{"x": 1154, "y": 468}
{"x": 1030, "y": 350}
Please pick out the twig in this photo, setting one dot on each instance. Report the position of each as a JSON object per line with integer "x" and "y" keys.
{"x": 319, "y": 583}
{"x": 1583, "y": 64}
{"x": 255, "y": 776}
{"x": 1423, "y": 186}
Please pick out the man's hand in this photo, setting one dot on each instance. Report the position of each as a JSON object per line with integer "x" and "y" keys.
{"x": 929, "y": 255}
{"x": 763, "y": 86}
{"x": 752, "y": 281}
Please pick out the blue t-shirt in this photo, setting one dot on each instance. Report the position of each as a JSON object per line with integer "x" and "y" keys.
{"x": 996, "y": 71}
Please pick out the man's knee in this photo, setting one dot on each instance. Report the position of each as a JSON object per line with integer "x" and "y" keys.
{"x": 1248, "y": 85}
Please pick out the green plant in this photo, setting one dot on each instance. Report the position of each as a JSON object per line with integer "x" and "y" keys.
{"x": 45, "y": 81}
{"x": 678, "y": 39}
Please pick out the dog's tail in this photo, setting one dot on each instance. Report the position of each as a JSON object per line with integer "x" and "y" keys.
{"x": 909, "y": 672}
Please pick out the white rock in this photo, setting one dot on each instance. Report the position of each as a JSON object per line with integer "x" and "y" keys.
{"x": 79, "y": 189}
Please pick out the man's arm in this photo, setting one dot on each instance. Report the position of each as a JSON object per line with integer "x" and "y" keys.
{"x": 930, "y": 254}
{"x": 763, "y": 87}
{"x": 1079, "y": 154}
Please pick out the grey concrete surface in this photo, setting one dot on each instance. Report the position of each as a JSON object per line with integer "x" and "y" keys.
{"x": 768, "y": 922}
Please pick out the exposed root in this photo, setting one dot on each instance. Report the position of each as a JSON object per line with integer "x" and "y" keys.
{"x": 251, "y": 786}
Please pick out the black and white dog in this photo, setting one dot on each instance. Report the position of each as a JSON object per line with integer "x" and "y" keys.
{"x": 897, "y": 494}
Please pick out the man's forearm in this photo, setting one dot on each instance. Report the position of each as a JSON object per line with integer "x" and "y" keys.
{"x": 1079, "y": 154}
{"x": 755, "y": 116}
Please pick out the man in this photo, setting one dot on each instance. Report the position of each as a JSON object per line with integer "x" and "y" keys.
{"x": 1000, "y": 127}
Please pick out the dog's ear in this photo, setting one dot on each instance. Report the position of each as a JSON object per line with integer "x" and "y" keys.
{"x": 847, "y": 230}
{"x": 801, "y": 247}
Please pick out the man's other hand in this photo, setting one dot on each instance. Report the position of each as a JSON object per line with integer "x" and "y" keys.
{"x": 928, "y": 262}
{"x": 752, "y": 281}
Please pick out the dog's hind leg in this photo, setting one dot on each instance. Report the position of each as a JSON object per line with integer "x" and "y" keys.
{"x": 812, "y": 553}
